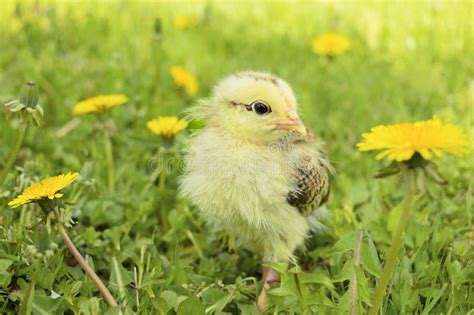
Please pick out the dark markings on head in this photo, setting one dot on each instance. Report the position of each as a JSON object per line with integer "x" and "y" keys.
{"x": 247, "y": 106}
{"x": 259, "y": 77}
{"x": 263, "y": 77}
{"x": 234, "y": 103}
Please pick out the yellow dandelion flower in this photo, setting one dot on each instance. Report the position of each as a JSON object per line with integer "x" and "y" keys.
{"x": 401, "y": 141}
{"x": 167, "y": 126}
{"x": 183, "y": 21}
{"x": 47, "y": 188}
{"x": 330, "y": 44}
{"x": 185, "y": 79}
{"x": 99, "y": 104}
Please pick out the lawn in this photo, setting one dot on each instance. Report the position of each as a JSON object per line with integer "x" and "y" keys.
{"x": 408, "y": 61}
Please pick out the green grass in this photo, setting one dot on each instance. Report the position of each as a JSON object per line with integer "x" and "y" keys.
{"x": 409, "y": 61}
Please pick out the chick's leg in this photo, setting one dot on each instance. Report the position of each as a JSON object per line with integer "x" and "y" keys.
{"x": 270, "y": 277}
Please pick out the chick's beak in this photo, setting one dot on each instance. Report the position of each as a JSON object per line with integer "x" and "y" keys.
{"x": 292, "y": 123}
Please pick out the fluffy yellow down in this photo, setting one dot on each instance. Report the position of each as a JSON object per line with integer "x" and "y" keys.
{"x": 238, "y": 174}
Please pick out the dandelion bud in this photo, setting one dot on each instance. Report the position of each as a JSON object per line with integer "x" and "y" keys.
{"x": 29, "y": 94}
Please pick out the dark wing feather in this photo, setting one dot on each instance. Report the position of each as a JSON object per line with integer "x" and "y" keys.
{"x": 311, "y": 188}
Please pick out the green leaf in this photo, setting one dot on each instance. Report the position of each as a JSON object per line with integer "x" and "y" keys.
{"x": 407, "y": 294}
{"x": 315, "y": 278}
{"x": 25, "y": 306}
{"x": 455, "y": 272}
{"x": 191, "y": 306}
{"x": 42, "y": 304}
{"x": 170, "y": 297}
{"x": 247, "y": 309}
{"x": 114, "y": 311}
{"x": 369, "y": 258}
{"x": 5, "y": 275}
{"x": 323, "y": 298}
{"x": 119, "y": 275}
{"x": 394, "y": 218}
{"x": 343, "y": 303}
{"x": 75, "y": 287}
{"x": 363, "y": 291}
{"x": 345, "y": 273}
{"x": 280, "y": 267}
{"x": 212, "y": 295}
{"x": 180, "y": 274}
{"x": 90, "y": 235}
{"x": 90, "y": 306}
{"x": 222, "y": 302}
{"x": 119, "y": 279}
{"x": 287, "y": 285}
{"x": 161, "y": 305}
{"x": 283, "y": 291}
{"x": 433, "y": 299}
{"x": 199, "y": 279}
{"x": 358, "y": 192}
{"x": 345, "y": 244}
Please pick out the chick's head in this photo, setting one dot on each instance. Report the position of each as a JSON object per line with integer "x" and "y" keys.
{"x": 253, "y": 106}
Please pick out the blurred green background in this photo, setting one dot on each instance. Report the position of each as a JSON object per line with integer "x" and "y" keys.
{"x": 408, "y": 61}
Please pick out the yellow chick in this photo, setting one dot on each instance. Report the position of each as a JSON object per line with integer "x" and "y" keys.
{"x": 255, "y": 171}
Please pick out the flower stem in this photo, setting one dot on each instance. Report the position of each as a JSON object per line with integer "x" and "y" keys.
{"x": 14, "y": 151}
{"x": 354, "y": 284}
{"x": 396, "y": 244}
{"x": 120, "y": 284}
{"x": 109, "y": 158}
{"x": 85, "y": 266}
{"x": 162, "y": 179}
{"x": 162, "y": 188}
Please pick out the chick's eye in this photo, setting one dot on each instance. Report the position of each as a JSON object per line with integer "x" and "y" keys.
{"x": 261, "y": 108}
